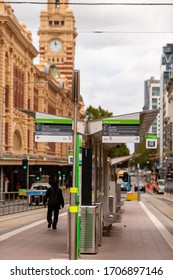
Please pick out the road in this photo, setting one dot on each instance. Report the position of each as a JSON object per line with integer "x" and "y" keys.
{"x": 136, "y": 237}
{"x": 14, "y": 221}
{"x": 155, "y": 203}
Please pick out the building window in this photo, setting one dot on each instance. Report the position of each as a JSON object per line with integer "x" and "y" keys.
{"x": 155, "y": 91}
{"x": 18, "y": 87}
{"x": 57, "y": 3}
{"x": 154, "y": 129}
{"x": 154, "y": 103}
{"x": 7, "y": 96}
{"x": 17, "y": 142}
{"x": 56, "y": 23}
{"x": 62, "y": 22}
{"x": 6, "y": 133}
{"x": 35, "y": 99}
{"x": 50, "y": 23}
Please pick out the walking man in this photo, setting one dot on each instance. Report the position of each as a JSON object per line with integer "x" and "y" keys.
{"x": 55, "y": 202}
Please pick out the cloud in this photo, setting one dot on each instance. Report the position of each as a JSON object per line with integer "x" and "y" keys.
{"x": 114, "y": 63}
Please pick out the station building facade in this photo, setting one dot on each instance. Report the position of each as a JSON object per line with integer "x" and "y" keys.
{"x": 45, "y": 87}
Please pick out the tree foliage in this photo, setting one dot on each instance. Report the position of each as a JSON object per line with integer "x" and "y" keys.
{"x": 119, "y": 151}
{"x": 145, "y": 157}
{"x": 97, "y": 113}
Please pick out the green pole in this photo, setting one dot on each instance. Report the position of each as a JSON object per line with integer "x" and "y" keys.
{"x": 78, "y": 186}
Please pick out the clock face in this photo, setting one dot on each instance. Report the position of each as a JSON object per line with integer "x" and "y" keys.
{"x": 55, "y": 46}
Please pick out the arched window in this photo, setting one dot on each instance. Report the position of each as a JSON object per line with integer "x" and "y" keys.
{"x": 17, "y": 141}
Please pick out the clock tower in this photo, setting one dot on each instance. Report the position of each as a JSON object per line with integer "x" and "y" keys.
{"x": 57, "y": 35}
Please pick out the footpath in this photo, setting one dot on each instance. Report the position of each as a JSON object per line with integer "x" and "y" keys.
{"x": 139, "y": 236}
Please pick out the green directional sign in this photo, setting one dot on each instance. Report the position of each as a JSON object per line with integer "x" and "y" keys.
{"x": 151, "y": 141}
{"x": 50, "y": 128}
{"x": 120, "y": 130}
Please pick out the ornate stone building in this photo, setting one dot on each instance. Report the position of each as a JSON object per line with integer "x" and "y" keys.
{"x": 46, "y": 87}
{"x": 57, "y": 35}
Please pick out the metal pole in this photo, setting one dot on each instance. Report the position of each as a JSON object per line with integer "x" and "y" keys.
{"x": 73, "y": 212}
{"x": 2, "y": 133}
{"x": 27, "y": 175}
{"x": 139, "y": 198}
{"x": 161, "y": 116}
{"x": 2, "y": 121}
{"x": 1, "y": 183}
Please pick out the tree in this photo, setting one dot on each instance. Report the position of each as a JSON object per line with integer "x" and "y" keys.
{"x": 119, "y": 151}
{"x": 99, "y": 113}
{"x": 145, "y": 157}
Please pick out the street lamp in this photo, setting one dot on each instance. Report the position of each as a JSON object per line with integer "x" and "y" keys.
{"x": 138, "y": 166}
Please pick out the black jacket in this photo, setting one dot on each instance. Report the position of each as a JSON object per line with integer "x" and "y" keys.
{"x": 46, "y": 198}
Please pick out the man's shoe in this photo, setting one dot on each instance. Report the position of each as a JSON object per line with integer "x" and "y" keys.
{"x": 49, "y": 225}
{"x": 53, "y": 227}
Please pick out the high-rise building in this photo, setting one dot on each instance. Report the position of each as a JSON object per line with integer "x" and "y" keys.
{"x": 165, "y": 74}
{"x": 152, "y": 101}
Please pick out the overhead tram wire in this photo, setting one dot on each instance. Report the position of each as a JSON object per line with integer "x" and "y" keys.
{"x": 92, "y": 4}
{"x": 123, "y": 32}
{"x": 116, "y": 32}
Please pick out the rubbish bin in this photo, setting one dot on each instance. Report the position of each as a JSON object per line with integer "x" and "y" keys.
{"x": 99, "y": 226}
{"x": 89, "y": 233}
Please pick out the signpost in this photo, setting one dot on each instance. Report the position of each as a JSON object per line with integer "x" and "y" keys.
{"x": 120, "y": 130}
{"x": 151, "y": 141}
{"x": 50, "y": 128}
{"x": 73, "y": 209}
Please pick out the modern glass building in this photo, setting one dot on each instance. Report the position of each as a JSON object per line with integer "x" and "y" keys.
{"x": 152, "y": 101}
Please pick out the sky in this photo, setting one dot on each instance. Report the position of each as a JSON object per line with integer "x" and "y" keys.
{"x": 115, "y": 62}
{"x": 118, "y": 47}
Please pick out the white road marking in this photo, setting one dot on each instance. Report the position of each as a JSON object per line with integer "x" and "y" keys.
{"x": 19, "y": 230}
{"x": 164, "y": 232}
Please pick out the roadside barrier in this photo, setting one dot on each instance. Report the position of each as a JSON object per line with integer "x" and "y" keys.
{"x": 15, "y": 202}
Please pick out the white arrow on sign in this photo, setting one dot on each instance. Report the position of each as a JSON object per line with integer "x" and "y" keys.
{"x": 120, "y": 139}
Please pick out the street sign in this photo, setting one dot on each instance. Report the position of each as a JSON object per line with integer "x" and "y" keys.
{"x": 70, "y": 156}
{"x": 36, "y": 192}
{"x": 50, "y": 128}
{"x": 151, "y": 141}
{"x": 120, "y": 130}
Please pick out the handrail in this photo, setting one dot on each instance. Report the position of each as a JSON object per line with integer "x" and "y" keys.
{"x": 13, "y": 202}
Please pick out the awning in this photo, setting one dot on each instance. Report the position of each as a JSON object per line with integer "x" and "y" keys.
{"x": 146, "y": 119}
{"x": 18, "y": 161}
{"x": 94, "y": 128}
{"x": 119, "y": 160}
{"x": 30, "y": 113}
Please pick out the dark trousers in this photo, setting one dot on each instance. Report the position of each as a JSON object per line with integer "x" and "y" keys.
{"x": 53, "y": 209}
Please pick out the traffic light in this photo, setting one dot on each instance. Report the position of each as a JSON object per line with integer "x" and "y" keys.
{"x": 25, "y": 163}
{"x": 125, "y": 177}
{"x": 37, "y": 176}
{"x": 59, "y": 172}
